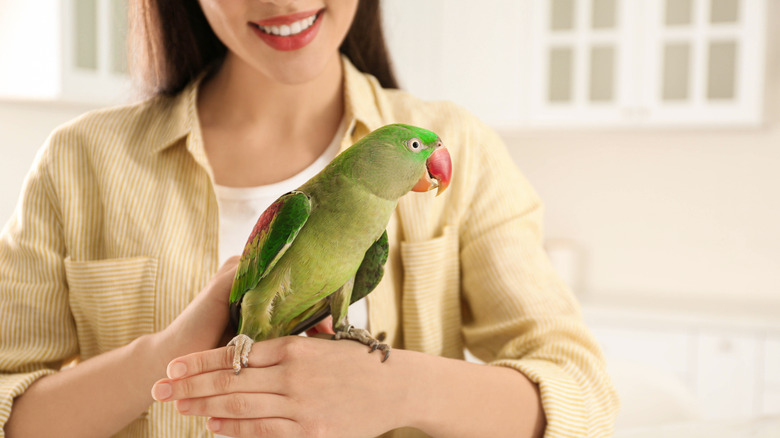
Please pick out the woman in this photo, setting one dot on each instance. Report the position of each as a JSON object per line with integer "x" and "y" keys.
{"x": 128, "y": 212}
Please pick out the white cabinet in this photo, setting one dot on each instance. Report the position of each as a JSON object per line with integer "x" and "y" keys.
{"x": 772, "y": 362}
{"x": 64, "y": 50}
{"x": 770, "y": 400}
{"x": 661, "y": 349}
{"x": 648, "y": 62}
{"x": 730, "y": 364}
{"x": 726, "y": 375}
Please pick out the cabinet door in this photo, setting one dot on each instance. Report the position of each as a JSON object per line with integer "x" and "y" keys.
{"x": 770, "y": 387}
{"x": 582, "y": 50}
{"x": 670, "y": 351}
{"x": 705, "y": 61}
{"x": 727, "y": 375}
{"x": 770, "y": 402}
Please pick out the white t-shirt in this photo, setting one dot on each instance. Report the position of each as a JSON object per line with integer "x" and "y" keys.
{"x": 240, "y": 207}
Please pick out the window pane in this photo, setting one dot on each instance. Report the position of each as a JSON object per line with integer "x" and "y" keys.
{"x": 604, "y": 12}
{"x": 676, "y": 71}
{"x": 561, "y": 62}
{"x": 602, "y": 73}
{"x": 118, "y": 36}
{"x": 678, "y": 12}
{"x": 562, "y": 15}
{"x": 721, "y": 70}
{"x": 724, "y": 11}
{"x": 85, "y": 28}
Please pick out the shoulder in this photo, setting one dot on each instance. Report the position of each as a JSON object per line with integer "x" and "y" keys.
{"x": 103, "y": 147}
{"x": 121, "y": 130}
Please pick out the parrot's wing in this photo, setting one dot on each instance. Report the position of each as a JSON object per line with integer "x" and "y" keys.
{"x": 273, "y": 233}
{"x": 367, "y": 278}
{"x": 372, "y": 269}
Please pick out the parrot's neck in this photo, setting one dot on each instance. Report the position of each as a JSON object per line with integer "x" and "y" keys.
{"x": 383, "y": 176}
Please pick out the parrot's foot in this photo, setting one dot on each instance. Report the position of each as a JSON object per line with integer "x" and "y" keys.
{"x": 364, "y": 337}
{"x": 243, "y": 344}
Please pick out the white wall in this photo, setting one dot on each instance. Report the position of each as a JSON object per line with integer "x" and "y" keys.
{"x": 694, "y": 213}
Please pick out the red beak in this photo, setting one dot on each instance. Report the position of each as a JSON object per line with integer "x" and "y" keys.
{"x": 438, "y": 174}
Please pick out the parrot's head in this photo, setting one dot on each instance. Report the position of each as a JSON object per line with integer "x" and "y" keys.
{"x": 403, "y": 158}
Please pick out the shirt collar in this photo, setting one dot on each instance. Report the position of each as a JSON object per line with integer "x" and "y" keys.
{"x": 361, "y": 98}
{"x": 179, "y": 115}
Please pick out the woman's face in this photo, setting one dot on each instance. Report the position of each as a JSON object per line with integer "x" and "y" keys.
{"x": 290, "y": 41}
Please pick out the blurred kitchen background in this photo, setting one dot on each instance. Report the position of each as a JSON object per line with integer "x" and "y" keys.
{"x": 651, "y": 129}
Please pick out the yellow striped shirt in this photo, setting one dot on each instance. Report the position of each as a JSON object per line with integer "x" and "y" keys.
{"x": 117, "y": 228}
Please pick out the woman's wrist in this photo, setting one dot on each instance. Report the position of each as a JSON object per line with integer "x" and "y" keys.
{"x": 154, "y": 350}
{"x": 166, "y": 345}
{"x": 413, "y": 385}
{"x": 450, "y": 397}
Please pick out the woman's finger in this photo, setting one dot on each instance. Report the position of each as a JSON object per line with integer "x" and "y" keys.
{"x": 237, "y": 405}
{"x": 259, "y": 380}
{"x": 266, "y": 427}
{"x": 263, "y": 354}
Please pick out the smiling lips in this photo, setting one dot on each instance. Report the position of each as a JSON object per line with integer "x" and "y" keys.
{"x": 289, "y": 32}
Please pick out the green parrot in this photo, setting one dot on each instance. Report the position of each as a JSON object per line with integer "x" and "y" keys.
{"x": 323, "y": 246}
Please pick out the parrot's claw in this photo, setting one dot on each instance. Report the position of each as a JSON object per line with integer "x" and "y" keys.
{"x": 243, "y": 344}
{"x": 364, "y": 337}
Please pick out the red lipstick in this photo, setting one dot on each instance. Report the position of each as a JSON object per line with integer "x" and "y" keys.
{"x": 268, "y": 28}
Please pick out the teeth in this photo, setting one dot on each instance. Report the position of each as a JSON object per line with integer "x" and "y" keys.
{"x": 291, "y": 29}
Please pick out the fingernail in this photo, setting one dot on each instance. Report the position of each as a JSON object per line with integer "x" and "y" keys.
{"x": 183, "y": 405}
{"x": 176, "y": 370}
{"x": 214, "y": 425}
{"x": 162, "y": 391}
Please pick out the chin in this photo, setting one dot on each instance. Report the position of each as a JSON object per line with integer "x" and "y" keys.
{"x": 294, "y": 68}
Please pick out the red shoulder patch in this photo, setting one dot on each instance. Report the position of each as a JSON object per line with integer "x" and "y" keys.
{"x": 265, "y": 220}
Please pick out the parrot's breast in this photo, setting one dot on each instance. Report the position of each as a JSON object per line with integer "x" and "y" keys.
{"x": 328, "y": 249}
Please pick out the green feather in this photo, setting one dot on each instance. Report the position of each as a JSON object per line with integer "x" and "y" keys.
{"x": 272, "y": 235}
{"x": 367, "y": 278}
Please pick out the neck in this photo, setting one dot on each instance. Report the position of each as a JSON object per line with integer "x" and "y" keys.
{"x": 389, "y": 180}
{"x": 239, "y": 95}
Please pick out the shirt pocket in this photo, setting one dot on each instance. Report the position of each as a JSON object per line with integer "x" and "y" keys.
{"x": 112, "y": 301}
{"x": 431, "y": 294}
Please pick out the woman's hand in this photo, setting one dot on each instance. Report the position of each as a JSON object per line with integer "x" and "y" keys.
{"x": 294, "y": 386}
{"x": 204, "y": 322}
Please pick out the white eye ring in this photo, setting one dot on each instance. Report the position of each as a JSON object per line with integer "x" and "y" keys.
{"x": 414, "y": 144}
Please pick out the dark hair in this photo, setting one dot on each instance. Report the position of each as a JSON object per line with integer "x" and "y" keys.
{"x": 171, "y": 43}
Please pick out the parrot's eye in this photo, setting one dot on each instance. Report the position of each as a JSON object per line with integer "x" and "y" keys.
{"x": 414, "y": 144}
